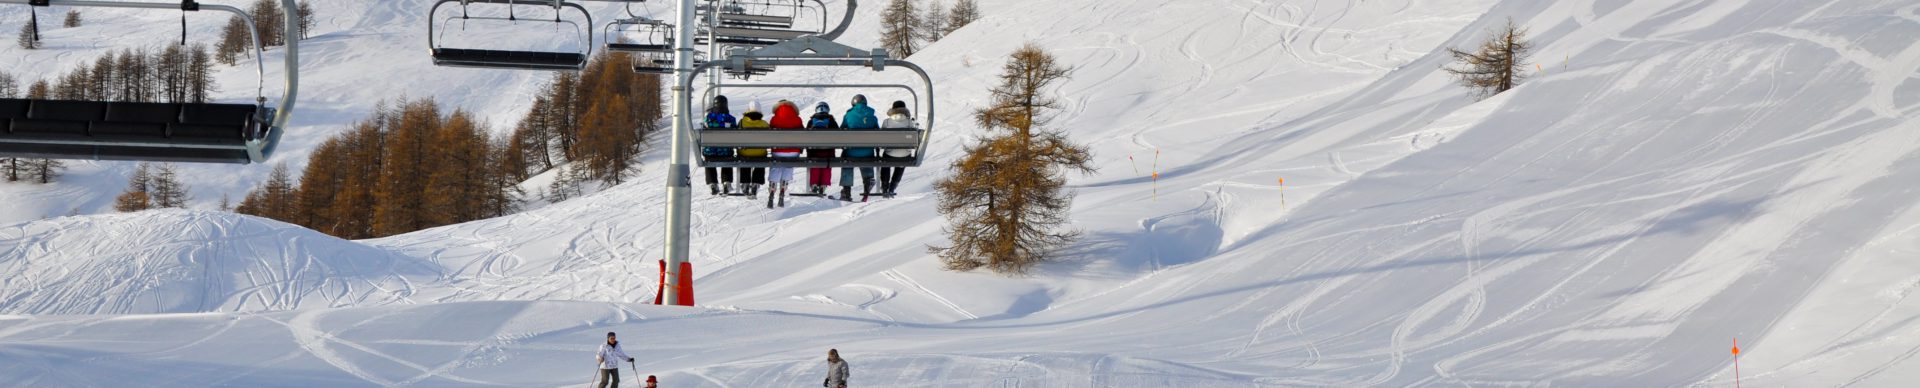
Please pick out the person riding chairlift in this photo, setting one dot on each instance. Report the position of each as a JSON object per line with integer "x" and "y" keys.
{"x": 897, "y": 118}
{"x": 860, "y": 116}
{"x": 818, "y": 178}
{"x": 719, "y": 180}
{"x": 752, "y": 177}
{"x": 786, "y": 115}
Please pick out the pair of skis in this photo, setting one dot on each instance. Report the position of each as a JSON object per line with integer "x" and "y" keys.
{"x": 596, "y": 375}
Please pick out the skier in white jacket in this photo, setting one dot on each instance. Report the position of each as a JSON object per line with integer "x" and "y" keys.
{"x": 609, "y": 358}
{"x": 836, "y": 370}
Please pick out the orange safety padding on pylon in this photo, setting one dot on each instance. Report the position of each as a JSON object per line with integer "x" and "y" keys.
{"x": 660, "y": 291}
{"x": 685, "y": 285}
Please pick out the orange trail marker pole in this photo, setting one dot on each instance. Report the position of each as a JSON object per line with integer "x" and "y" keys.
{"x": 1136, "y": 165}
{"x": 1736, "y": 362}
{"x": 1156, "y": 174}
{"x": 1283, "y": 192}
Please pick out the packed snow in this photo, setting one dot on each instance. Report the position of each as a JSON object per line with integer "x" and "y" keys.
{"x": 1677, "y": 175}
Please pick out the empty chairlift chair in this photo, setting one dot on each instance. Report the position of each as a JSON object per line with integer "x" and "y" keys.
{"x": 512, "y": 59}
{"x": 817, "y": 51}
{"x": 178, "y": 132}
{"x": 759, "y": 23}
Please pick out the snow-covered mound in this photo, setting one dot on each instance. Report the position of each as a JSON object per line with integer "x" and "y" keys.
{"x": 1679, "y": 174}
{"x": 170, "y": 261}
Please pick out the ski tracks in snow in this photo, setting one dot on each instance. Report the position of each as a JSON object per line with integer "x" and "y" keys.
{"x": 902, "y": 278}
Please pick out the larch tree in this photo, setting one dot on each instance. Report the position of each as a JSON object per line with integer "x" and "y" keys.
{"x": 276, "y": 198}
{"x": 934, "y": 25}
{"x": 44, "y": 170}
{"x": 306, "y": 19}
{"x": 234, "y": 42}
{"x": 199, "y": 77}
{"x": 40, "y": 90}
{"x": 171, "y": 72}
{"x": 1498, "y": 65}
{"x": 166, "y": 188}
{"x": 1006, "y": 202}
{"x": 136, "y": 198}
{"x": 279, "y": 195}
{"x": 964, "y": 12}
{"x": 9, "y": 86}
{"x": 900, "y": 28}
{"x": 458, "y": 184}
{"x": 399, "y": 197}
{"x": 29, "y": 37}
{"x": 265, "y": 12}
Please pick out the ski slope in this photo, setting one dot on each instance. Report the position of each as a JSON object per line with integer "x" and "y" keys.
{"x": 1679, "y": 174}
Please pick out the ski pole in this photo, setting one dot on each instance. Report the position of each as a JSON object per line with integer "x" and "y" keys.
{"x": 636, "y": 374}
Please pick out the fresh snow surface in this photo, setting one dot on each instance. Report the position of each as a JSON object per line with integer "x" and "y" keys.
{"x": 1678, "y": 175}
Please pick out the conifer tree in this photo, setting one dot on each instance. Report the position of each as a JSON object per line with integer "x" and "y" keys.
{"x": 265, "y": 12}
{"x": 457, "y": 185}
{"x": 73, "y": 18}
{"x": 504, "y": 181}
{"x": 234, "y": 42}
{"x": 199, "y": 76}
{"x": 899, "y": 28}
{"x": 43, "y": 170}
{"x": 566, "y": 183}
{"x": 39, "y": 91}
{"x": 306, "y": 19}
{"x": 964, "y": 12}
{"x": 29, "y": 37}
{"x": 170, "y": 66}
{"x": 1499, "y": 64}
{"x": 609, "y": 141}
{"x": 934, "y": 25}
{"x": 9, "y": 86}
{"x": 276, "y": 198}
{"x": 399, "y": 198}
{"x": 166, "y": 189}
{"x": 1006, "y": 202}
{"x": 136, "y": 198}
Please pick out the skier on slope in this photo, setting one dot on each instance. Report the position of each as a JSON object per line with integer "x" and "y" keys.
{"x": 786, "y": 115}
{"x": 897, "y": 118}
{"x": 818, "y": 178}
{"x": 860, "y": 116}
{"x": 719, "y": 180}
{"x": 836, "y": 370}
{"x": 752, "y": 177}
{"x": 609, "y": 359}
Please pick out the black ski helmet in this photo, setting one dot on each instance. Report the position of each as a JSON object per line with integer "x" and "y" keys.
{"x": 897, "y": 104}
{"x": 719, "y": 104}
{"x": 822, "y": 107}
{"x": 859, "y": 99}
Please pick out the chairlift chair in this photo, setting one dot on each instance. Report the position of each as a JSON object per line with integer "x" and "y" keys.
{"x": 171, "y": 132}
{"x": 656, "y": 37}
{"x": 771, "y": 13}
{"x": 816, "y": 51}
{"x": 512, "y": 59}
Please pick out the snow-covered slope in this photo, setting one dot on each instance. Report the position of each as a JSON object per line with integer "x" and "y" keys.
{"x": 1679, "y": 174}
